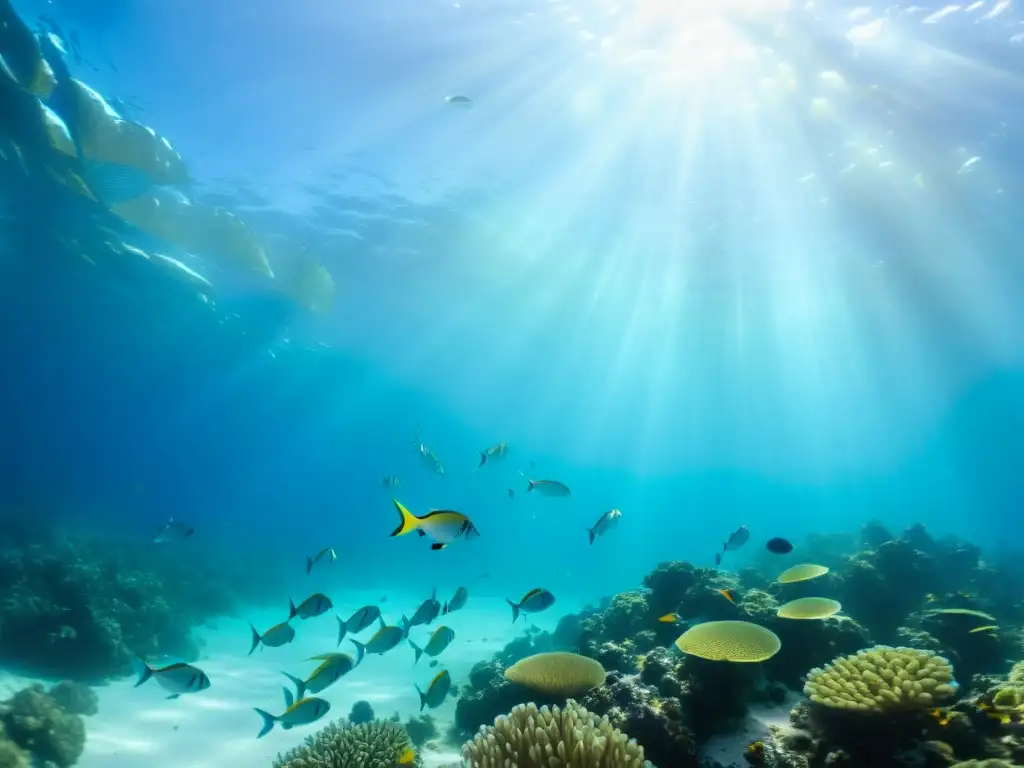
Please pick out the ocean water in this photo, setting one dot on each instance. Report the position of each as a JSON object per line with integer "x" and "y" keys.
{"x": 753, "y": 262}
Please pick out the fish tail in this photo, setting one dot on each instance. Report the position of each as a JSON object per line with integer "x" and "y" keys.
{"x": 409, "y": 521}
{"x": 309, "y": 565}
{"x": 444, "y": 609}
{"x": 256, "y": 639}
{"x": 417, "y": 649}
{"x": 300, "y": 686}
{"x": 592, "y": 536}
{"x": 292, "y": 610}
{"x": 142, "y": 671}
{"x": 360, "y": 651}
{"x": 515, "y": 610}
{"x": 342, "y": 629}
{"x": 423, "y": 698}
{"x": 406, "y": 626}
{"x": 268, "y": 722}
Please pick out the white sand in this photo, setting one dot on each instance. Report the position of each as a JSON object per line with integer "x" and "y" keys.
{"x": 139, "y": 727}
{"x": 727, "y": 749}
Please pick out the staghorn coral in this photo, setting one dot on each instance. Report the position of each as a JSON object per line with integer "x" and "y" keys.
{"x": 35, "y": 722}
{"x": 882, "y": 679}
{"x": 342, "y": 745}
{"x": 535, "y": 738}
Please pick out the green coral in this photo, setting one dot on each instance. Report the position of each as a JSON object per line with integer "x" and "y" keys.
{"x": 35, "y": 722}
{"x": 882, "y": 679}
{"x": 11, "y": 755}
{"x": 1016, "y": 676}
{"x": 342, "y": 745}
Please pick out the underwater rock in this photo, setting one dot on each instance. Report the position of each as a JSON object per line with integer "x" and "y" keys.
{"x": 421, "y": 729}
{"x": 668, "y": 584}
{"x": 35, "y": 722}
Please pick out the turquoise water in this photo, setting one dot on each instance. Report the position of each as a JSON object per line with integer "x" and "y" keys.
{"x": 756, "y": 264}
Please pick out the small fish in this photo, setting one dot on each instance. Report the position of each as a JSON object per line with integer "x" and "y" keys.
{"x": 458, "y": 600}
{"x": 437, "y": 691}
{"x": 426, "y": 613}
{"x": 327, "y": 552}
{"x": 986, "y": 628}
{"x": 275, "y": 637}
{"x": 383, "y": 640}
{"x": 778, "y": 546}
{"x": 427, "y": 457}
{"x": 172, "y": 530}
{"x": 358, "y": 621}
{"x": 438, "y": 641}
{"x": 736, "y": 539}
{"x": 314, "y": 605}
{"x": 728, "y": 594}
{"x": 176, "y": 678}
{"x": 511, "y": 494}
{"x": 407, "y": 756}
{"x": 534, "y": 601}
{"x": 463, "y": 102}
{"x": 941, "y": 716}
{"x": 492, "y": 454}
{"x": 391, "y": 482}
{"x": 442, "y": 525}
{"x": 669, "y": 618}
{"x": 301, "y": 712}
{"x": 605, "y": 523}
{"x": 433, "y": 663}
{"x": 333, "y": 666}
{"x": 551, "y": 488}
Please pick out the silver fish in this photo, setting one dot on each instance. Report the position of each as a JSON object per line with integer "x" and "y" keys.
{"x": 493, "y": 454}
{"x": 327, "y": 552}
{"x": 275, "y": 637}
{"x": 458, "y": 600}
{"x": 551, "y": 488}
{"x": 314, "y": 605}
{"x": 176, "y": 678}
{"x": 172, "y": 530}
{"x": 605, "y": 523}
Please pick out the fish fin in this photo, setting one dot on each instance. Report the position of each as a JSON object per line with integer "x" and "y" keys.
{"x": 515, "y": 610}
{"x": 309, "y": 565}
{"x": 142, "y": 671}
{"x": 417, "y": 649}
{"x": 380, "y": 621}
{"x": 409, "y": 522}
{"x": 256, "y": 639}
{"x": 174, "y": 696}
{"x": 288, "y": 700}
{"x": 423, "y": 698}
{"x": 592, "y": 536}
{"x": 360, "y": 650}
{"x": 342, "y": 629}
{"x": 406, "y": 626}
{"x": 268, "y": 722}
{"x": 292, "y": 610}
{"x": 300, "y": 686}
{"x": 437, "y": 545}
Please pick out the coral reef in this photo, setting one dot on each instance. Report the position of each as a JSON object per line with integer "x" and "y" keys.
{"x": 530, "y": 738}
{"x": 421, "y": 729}
{"x": 34, "y": 725}
{"x": 344, "y": 745}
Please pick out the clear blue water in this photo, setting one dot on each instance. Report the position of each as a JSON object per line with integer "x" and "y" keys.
{"x": 684, "y": 288}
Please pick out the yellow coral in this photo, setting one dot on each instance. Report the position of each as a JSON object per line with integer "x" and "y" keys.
{"x": 557, "y": 673}
{"x": 882, "y": 679}
{"x": 738, "y": 641}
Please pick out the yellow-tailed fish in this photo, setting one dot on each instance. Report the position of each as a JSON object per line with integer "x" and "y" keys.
{"x": 534, "y": 601}
{"x": 669, "y": 618}
{"x": 458, "y": 600}
{"x": 492, "y": 454}
{"x": 442, "y": 525}
{"x": 326, "y": 552}
{"x": 333, "y": 667}
{"x": 383, "y": 640}
{"x": 437, "y": 691}
{"x": 176, "y": 678}
{"x": 438, "y": 641}
{"x": 407, "y": 756}
{"x": 301, "y": 712}
{"x": 275, "y": 637}
{"x": 314, "y": 605}
{"x": 358, "y": 621}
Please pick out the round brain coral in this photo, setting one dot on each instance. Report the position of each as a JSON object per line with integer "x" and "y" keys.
{"x": 738, "y": 641}
{"x": 882, "y": 679}
{"x": 557, "y": 674}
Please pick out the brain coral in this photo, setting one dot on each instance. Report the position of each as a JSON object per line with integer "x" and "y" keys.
{"x": 341, "y": 745}
{"x": 537, "y": 738}
{"x": 882, "y": 679}
{"x": 558, "y": 674}
{"x": 739, "y": 641}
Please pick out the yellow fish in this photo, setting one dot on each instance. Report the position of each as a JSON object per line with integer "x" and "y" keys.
{"x": 407, "y": 756}
{"x": 669, "y": 618}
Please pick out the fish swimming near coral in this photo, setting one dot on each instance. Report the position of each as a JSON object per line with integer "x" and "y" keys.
{"x": 551, "y": 488}
{"x": 458, "y": 601}
{"x": 332, "y": 667}
{"x": 314, "y": 605}
{"x": 442, "y": 525}
{"x": 407, "y": 756}
{"x": 358, "y": 621}
{"x": 172, "y": 530}
{"x": 275, "y": 637}
{"x": 437, "y": 691}
{"x": 605, "y": 523}
{"x": 736, "y": 539}
{"x": 383, "y": 640}
{"x": 326, "y": 552}
{"x": 175, "y": 678}
{"x": 778, "y": 546}
{"x": 669, "y": 618}
{"x": 301, "y": 712}
{"x": 438, "y": 641}
{"x": 728, "y": 594}
{"x": 534, "y": 601}
{"x": 492, "y": 454}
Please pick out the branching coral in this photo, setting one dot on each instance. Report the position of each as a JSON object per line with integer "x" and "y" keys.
{"x": 882, "y": 679}
{"x": 341, "y": 745}
{"x": 531, "y": 738}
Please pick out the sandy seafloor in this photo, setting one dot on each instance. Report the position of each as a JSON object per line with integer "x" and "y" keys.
{"x": 138, "y": 727}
